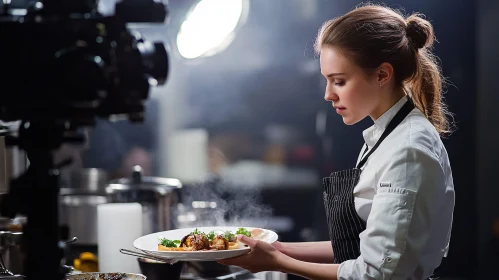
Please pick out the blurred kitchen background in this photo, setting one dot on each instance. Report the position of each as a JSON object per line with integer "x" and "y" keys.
{"x": 243, "y": 131}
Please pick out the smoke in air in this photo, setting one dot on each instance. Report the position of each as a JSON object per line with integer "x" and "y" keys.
{"x": 216, "y": 203}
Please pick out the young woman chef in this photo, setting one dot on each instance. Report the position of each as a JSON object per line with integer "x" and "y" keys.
{"x": 390, "y": 216}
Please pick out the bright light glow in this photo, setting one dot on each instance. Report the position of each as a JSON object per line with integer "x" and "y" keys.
{"x": 209, "y": 28}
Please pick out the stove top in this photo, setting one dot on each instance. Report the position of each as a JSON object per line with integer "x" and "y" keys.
{"x": 198, "y": 271}
{"x": 240, "y": 275}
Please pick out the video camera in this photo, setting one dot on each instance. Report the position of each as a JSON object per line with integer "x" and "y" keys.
{"x": 64, "y": 61}
{"x": 63, "y": 65}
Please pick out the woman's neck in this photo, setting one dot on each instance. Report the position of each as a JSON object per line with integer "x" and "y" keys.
{"x": 387, "y": 103}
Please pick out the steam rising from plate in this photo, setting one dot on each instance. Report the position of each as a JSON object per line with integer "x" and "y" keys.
{"x": 218, "y": 203}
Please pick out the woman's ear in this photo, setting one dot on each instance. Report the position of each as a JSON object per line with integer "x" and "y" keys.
{"x": 384, "y": 73}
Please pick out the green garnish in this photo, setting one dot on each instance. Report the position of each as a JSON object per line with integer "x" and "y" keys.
{"x": 211, "y": 235}
{"x": 243, "y": 231}
{"x": 228, "y": 235}
{"x": 169, "y": 243}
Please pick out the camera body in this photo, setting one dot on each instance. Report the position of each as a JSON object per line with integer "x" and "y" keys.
{"x": 66, "y": 62}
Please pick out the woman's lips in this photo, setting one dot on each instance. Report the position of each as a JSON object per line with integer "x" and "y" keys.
{"x": 339, "y": 110}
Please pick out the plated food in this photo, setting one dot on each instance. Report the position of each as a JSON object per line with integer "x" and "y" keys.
{"x": 213, "y": 240}
{"x": 202, "y": 243}
{"x": 105, "y": 276}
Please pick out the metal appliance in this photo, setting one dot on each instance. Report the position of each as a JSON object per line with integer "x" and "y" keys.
{"x": 13, "y": 159}
{"x": 156, "y": 268}
{"x": 157, "y": 195}
{"x": 79, "y": 201}
{"x": 11, "y": 252}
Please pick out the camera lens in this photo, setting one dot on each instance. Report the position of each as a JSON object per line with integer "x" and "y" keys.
{"x": 154, "y": 60}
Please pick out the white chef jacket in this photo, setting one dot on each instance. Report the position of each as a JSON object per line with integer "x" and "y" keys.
{"x": 406, "y": 196}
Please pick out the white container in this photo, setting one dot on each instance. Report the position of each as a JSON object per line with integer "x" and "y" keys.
{"x": 119, "y": 224}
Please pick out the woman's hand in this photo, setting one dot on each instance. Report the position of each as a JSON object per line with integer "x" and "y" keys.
{"x": 262, "y": 257}
{"x": 265, "y": 257}
{"x": 279, "y": 246}
{"x": 317, "y": 251}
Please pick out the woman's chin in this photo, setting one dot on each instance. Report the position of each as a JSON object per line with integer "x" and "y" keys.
{"x": 348, "y": 120}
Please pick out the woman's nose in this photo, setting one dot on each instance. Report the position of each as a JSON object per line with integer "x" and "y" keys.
{"x": 330, "y": 96}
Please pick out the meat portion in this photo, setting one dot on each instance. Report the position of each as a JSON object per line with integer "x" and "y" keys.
{"x": 257, "y": 233}
{"x": 196, "y": 242}
{"x": 220, "y": 243}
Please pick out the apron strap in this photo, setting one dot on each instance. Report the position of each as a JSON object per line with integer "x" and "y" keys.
{"x": 397, "y": 119}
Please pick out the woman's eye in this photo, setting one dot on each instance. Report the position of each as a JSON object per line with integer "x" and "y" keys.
{"x": 339, "y": 83}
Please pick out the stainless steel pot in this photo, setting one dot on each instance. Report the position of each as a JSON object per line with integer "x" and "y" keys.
{"x": 11, "y": 250}
{"x": 14, "y": 163}
{"x": 79, "y": 213}
{"x": 79, "y": 201}
{"x": 157, "y": 196}
{"x": 89, "y": 180}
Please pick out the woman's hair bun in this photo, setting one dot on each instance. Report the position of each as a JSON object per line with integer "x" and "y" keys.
{"x": 419, "y": 32}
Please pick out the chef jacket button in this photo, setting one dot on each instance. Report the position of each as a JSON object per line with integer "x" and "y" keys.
{"x": 388, "y": 259}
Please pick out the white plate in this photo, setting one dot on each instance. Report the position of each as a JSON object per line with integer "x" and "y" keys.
{"x": 149, "y": 244}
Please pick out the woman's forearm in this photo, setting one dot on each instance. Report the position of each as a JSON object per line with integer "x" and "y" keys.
{"x": 313, "y": 271}
{"x": 316, "y": 252}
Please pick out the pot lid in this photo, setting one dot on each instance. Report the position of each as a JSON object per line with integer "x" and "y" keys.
{"x": 143, "y": 183}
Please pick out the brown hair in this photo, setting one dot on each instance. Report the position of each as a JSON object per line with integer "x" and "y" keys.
{"x": 372, "y": 34}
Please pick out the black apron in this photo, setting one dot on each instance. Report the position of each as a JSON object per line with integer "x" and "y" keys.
{"x": 344, "y": 223}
